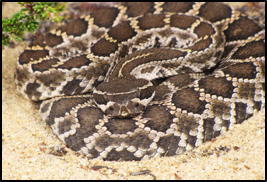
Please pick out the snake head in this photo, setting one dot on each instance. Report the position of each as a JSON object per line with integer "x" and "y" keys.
{"x": 123, "y": 97}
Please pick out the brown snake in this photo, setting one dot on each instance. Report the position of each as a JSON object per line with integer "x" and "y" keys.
{"x": 140, "y": 80}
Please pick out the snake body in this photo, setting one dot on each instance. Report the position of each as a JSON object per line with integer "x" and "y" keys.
{"x": 140, "y": 80}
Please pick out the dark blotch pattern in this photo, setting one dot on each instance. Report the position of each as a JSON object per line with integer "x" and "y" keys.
{"x": 104, "y": 48}
{"x": 169, "y": 144}
{"x": 126, "y": 32}
{"x": 31, "y": 90}
{"x": 182, "y": 21}
{"x": 159, "y": 118}
{"x": 45, "y": 65}
{"x": 105, "y": 17}
{"x": 75, "y": 28}
{"x": 201, "y": 45}
{"x": 188, "y": 99}
{"x": 207, "y": 11}
{"x": 217, "y": 86}
{"x": 52, "y": 80}
{"x": 248, "y": 70}
{"x": 246, "y": 91}
{"x": 253, "y": 49}
{"x": 151, "y": 21}
{"x": 48, "y": 39}
{"x": 241, "y": 115}
{"x": 75, "y": 62}
{"x": 135, "y": 9}
{"x": 31, "y": 55}
{"x": 88, "y": 117}
{"x": 121, "y": 126}
{"x": 63, "y": 106}
{"x": 220, "y": 107}
{"x": 70, "y": 87}
{"x": 208, "y": 128}
{"x": 204, "y": 29}
{"x": 177, "y": 7}
{"x": 236, "y": 29}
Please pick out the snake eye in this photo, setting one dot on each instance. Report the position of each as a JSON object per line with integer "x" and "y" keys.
{"x": 111, "y": 108}
{"x": 136, "y": 104}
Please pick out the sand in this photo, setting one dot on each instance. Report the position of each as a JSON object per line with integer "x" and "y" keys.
{"x": 28, "y": 145}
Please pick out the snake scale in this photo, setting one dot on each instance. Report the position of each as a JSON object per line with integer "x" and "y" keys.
{"x": 140, "y": 80}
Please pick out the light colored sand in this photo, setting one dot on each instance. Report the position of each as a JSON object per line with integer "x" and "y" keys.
{"x": 26, "y": 142}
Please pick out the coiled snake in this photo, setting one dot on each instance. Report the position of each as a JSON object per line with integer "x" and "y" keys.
{"x": 140, "y": 80}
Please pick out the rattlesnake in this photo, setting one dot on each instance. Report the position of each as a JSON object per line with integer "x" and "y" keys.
{"x": 140, "y": 80}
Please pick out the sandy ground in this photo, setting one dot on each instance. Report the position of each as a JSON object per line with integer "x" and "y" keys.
{"x": 27, "y": 145}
